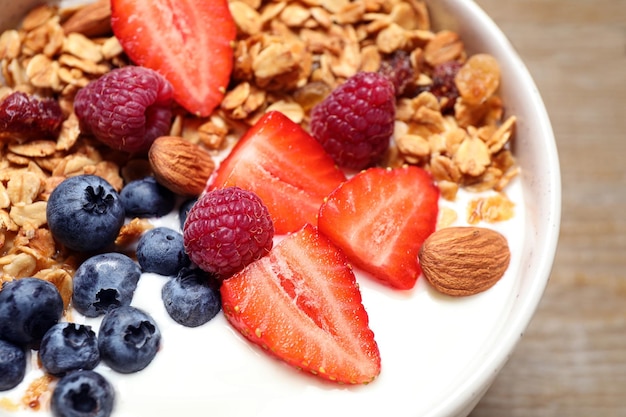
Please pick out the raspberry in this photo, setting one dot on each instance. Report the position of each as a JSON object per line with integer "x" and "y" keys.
{"x": 226, "y": 229}
{"x": 355, "y": 122}
{"x": 127, "y": 108}
{"x": 26, "y": 117}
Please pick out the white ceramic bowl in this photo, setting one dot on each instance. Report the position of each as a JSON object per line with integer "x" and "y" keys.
{"x": 439, "y": 355}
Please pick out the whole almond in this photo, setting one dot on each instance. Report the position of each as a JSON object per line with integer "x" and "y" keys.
{"x": 462, "y": 261}
{"x": 93, "y": 19}
{"x": 180, "y": 165}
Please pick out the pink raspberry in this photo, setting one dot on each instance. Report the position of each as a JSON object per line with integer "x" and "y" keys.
{"x": 127, "y": 108}
{"x": 355, "y": 122}
{"x": 226, "y": 229}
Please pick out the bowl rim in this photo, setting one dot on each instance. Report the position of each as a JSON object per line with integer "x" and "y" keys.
{"x": 471, "y": 390}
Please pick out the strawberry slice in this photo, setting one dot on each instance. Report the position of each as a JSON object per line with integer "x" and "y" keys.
{"x": 380, "y": 218}
{"x": 186, "y": 41}
{"x": 285, "y": 166}
{"x": 301, "y": 303}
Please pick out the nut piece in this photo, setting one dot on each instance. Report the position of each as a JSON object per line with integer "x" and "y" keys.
{"x": 179, "y": 165}
{"x": 464, "y": 261}
{"x": 93, "y": 19}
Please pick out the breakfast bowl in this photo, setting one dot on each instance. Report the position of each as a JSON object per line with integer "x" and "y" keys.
{"x": 439, "y": 353}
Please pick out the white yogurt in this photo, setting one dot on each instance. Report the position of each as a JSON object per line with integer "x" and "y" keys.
{"x": 427, "y": 342}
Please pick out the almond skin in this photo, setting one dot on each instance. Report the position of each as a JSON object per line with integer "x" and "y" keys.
{"x": 93, "y": 19}
{"x": 181, "y": 166}
{"x": 461, "y": 261}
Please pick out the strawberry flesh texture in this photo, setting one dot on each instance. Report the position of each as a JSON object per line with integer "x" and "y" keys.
{"x": 302, "y": 304}
{"x": 186, "y": 41}
{"x": 283, "y": 165}
{"x": 380, "y": 218}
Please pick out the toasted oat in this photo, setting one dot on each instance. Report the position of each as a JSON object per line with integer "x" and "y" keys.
{"x": 446, "y": 217}
{"x": 289, "y": 55}
{"x": 493, "y": 208}
{"x": 132, "y": 231}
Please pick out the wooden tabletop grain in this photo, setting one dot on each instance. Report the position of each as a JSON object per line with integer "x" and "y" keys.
{"x": 572, "y": 359}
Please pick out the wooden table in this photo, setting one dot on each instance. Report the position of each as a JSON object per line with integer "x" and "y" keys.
{"x": 572, "y": 360}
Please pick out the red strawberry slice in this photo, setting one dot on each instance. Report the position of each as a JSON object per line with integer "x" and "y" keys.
{"x": 301, "y": 303}
{"x": 186, "y": 41}
{"x": 380, "y": 218}
{"x": 285, "y": 166}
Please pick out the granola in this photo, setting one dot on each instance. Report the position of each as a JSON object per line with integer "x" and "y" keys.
{"x": 288, "y": 56}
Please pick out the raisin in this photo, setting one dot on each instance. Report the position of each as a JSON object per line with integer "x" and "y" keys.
{"x": 399, "y": 70}
{"x": 478, "y": 78}
{"x": 311, "y": 94}
{"x": 443, "y": 86}
{"x": 25, "y": 117}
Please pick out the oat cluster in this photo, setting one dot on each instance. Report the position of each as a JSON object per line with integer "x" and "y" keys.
{"x": 288, "y": 56}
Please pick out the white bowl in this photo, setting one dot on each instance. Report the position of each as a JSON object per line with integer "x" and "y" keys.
{"x": 439, "y": 354}
{"x": 535, "y": 149}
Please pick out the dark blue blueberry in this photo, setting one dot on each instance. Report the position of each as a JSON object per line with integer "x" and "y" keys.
{"x": 82, "y": 393}
{"x": 191, "y": 298}
{"x": 147, "y": 198}
{"x": 128, "y": 339}
{"x": 161, "y": 250}
{"x": 85, "y": 213}
{"x": 69, "y": 347}
{"x": 104, "y": 282}
{"x": 28, "y": 308}
{"x": 12, "y": 365}
{"x": 184, "y": 210}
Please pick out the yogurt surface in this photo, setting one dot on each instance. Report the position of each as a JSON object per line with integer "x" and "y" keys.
{"x": 427, "y": 342}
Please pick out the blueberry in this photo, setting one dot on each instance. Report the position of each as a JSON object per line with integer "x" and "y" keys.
{"x": 28, "y": 308}
{"x": 191, "y": 298}
{"x": 128, "y": 339}
{"x": 12, "y": 365}
{"x": 69, "y": 347}
{"x": 183, "y": 211}
{"x": 82, "y": 393}
{"x": 103, "y": 282}
{"x": 147, "y": 198}
{"x": 85, "y": 213}
{"x": 161, "y": 250}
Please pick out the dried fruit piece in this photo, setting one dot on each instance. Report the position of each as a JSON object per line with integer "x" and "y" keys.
{"x": 25, "y": 117}
{"x": 463, "y": 261}
{"x": 478, "y": 78}
{"x": 399, "y": 70}
{"x": 443, "y": 86}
